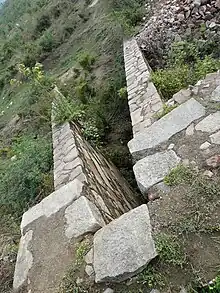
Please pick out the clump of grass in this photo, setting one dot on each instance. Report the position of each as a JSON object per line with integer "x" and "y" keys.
{"x": 151, "y": 277}
{"x": 178, "y": 175}
{"x": 169, "y": 249}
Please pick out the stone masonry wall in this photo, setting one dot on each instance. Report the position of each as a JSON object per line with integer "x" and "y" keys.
{"x": 143, "y": 98}
{"x": 75, "y": 158}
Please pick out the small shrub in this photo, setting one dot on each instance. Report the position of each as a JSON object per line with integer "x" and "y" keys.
{"x": 43, "y": 23}
{"x": 47, "y": 42}
{"x": 129, "y": 17}
{"x": 170, "y": 81}
{"x": 123, "y": 93}
{"x": 186, "y": 64}
{"x": 83, "y": 91}
{"x": 169, "y": 249}
{"x": 86, "y": 60}
{"x": 205, "y": 66}
{"x": 67, "y": 110}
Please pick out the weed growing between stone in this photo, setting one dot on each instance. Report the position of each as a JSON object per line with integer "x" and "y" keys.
{"x": 165, "y": 111}
{"x": 82, "y": 249}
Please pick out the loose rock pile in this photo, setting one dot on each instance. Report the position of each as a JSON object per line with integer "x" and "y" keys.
{"x": 174, "y": 19}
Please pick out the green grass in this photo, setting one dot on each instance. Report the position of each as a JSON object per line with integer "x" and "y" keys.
{"x": 178, "y": 175}
{"x": 169, "y": 249}
{"x": 151, "y": 278}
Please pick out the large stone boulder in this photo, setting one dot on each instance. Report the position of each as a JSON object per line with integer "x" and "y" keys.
{"x": 124, "y": 247}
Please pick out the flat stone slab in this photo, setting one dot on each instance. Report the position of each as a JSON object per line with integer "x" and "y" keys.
{"x": 53, "y": 203}
{"x": 82, "y": 217}
{"x": 124, "y": 247}
{"x": 163, "y": 129}
{"x": 24, "y": 260}
{"x": 210, "y": 123}
{"x": 152, "y": 169}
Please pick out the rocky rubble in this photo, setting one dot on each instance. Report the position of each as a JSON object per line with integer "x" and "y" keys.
{"x": 174, "y": 19}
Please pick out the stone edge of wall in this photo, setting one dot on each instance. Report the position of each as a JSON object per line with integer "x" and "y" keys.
{"x": 143, "y": 98}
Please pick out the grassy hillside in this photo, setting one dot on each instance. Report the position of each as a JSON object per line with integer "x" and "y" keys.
{"x": 62, "y": 35}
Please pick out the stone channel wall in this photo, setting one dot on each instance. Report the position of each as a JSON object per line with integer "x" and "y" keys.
{"x": 75, "y": 158}
{"x": 143, "y": 98}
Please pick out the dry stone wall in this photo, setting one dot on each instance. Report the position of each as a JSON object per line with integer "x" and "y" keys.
{"x": 180, "y": 136}
{"x": 75, "y": 158}
{"x": 143, "y": 98}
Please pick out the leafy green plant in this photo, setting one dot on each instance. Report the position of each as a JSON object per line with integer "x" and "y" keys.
{"x": 123, "y": 92}
{"x": 171, "y": 80}
{"x": 22, "y": 182}
{"x": 130, "y": 16}
{"x": 66, "y": 110}
{"x": 169, "y": 249}
{"x": 86, "y": 60}
{"x": 47, "y": 42}
{"x": 91, "y": 132}
{"x": 69, "y": 283}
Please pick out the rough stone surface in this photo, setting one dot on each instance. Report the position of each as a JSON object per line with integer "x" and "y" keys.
{"x": 82, "y": 217}
{"x": 215, "y": 138}
{"x": 210, "y": 123}
{"x": 154, "y": 291}
{"x": 24, "y": 260}
{"x": 208, "y": 173}
{"x": 190, "y": 130}
{"x": 74, "y": 159}
{"x": 216, "y": 94}
{"x": 182, "y": 96}
{"x": 152, "y": 169}
{"x": 89, "y": 270}
{"x": 53, "y": 203}
{"x": 89, "y": 256}
{"x": 166, "y": 127}
{"x": 124, "y": 247}
{"x": 176, "y": 20}
{"x": 143, "y": 98}
{"x": 213, "y": 162}
{"x": 109, "y": 290}
{"x": 205, "y": 145}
